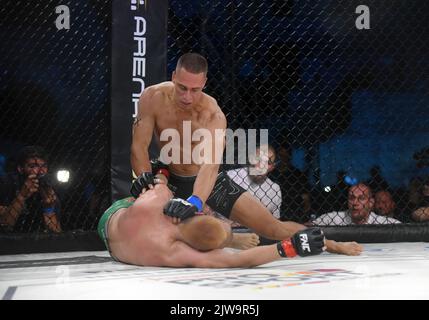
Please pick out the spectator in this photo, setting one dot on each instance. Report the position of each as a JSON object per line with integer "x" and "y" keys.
{"x": 422, "y": 212}
{"x": 255, "y": 180}
{"x": 360, "y": 205}
{"x": 384, "y": 204}
{"x": 28, "y": 201}
{"x": 415, "y": 195}
{"x": 377, "y": 182}
{"x": 296, "y": 200}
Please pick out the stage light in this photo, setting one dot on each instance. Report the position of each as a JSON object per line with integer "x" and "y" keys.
{"x": 63, "y": 176}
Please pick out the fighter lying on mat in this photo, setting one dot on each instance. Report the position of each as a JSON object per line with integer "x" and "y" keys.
{"x": 137, "y": 232}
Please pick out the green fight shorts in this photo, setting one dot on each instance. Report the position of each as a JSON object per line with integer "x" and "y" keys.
{"x": 105, "y": 218}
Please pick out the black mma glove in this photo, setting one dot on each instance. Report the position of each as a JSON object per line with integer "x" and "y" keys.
{"x": 308, "y": 242}
{"x": 180, "y": 208}
{"x": 143, "y": 181}
{"x": 147, "y": 178}
{"x": 159, "y": 167}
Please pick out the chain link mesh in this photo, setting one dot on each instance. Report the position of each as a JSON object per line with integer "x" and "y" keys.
{"x": 54, "y": 93}
{"x": 339, "y": 102}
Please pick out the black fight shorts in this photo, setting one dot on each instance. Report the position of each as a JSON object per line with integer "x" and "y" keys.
{"x": 222, "y": 198}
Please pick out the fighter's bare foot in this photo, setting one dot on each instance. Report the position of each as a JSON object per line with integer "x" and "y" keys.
{"x": 244, "y": 240}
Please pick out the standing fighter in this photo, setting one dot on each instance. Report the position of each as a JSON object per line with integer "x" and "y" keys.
{"x": 172, "y": 105}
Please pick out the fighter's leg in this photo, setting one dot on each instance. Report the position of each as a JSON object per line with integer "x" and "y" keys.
{"x": 240, "y": 240}
{"x": 237, "y": 204}
{"x": 251, "y": 213}
{"x": 204, "y": 233}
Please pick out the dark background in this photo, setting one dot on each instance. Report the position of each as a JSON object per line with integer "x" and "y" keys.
{"x": 343, "y": 98}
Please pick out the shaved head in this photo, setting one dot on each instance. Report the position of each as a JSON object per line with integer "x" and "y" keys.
{"x": 193, "y": 63}
{"x": 205, "y": 233}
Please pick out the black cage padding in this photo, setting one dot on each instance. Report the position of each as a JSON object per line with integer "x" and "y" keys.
{"x": 407, "y": 232}
{"x": 20, "y": 243}
{"x": 410, "y": 232}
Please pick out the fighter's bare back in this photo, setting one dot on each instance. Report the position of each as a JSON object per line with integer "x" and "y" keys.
{"x": 142, "y": 234}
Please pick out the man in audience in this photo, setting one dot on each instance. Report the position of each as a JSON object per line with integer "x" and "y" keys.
{"x": 384, "y": 204}
{"x": 360, "y": 206}
{"x": 28, "y": 201}
{"x": 422, "y": 213}
{"x": 255, "y": 180}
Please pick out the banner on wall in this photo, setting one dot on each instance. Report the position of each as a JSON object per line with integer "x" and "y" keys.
{"x": 139, "y": 59}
